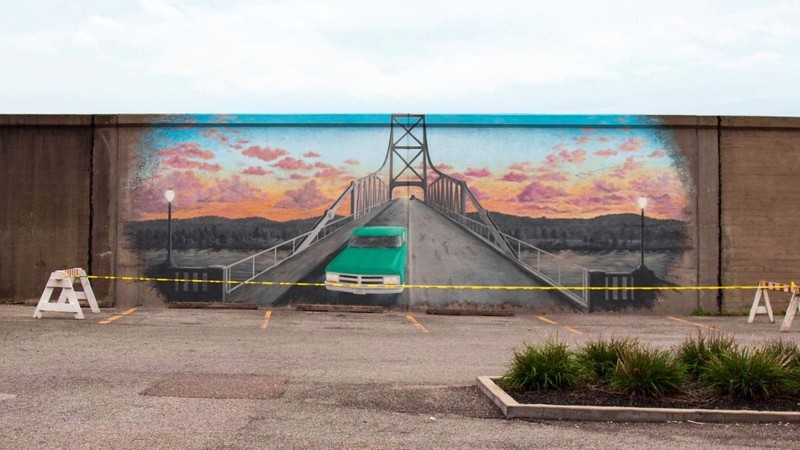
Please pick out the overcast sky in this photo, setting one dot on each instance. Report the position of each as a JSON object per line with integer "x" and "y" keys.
{"x": 541, "y": 57}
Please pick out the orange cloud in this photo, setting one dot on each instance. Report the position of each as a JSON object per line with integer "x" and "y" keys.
{"x": 178, "y": 162}
{"x": 304, "y": 198}
{"x": 352, "y": 162}
{"x": 551, "y": 176}
{"x": 537, "y": 191}
{"x": 311, "y": 155}
{"x": 523, "y": 166}
{"x": 290, "y": 163}
{"x": 254, "y": 170}
{"x": 514, "y": 177}
{"x": 605, "y": 153}
{"x": 265, "y": 153}
{"x": 657, "y": 154}
{"x": 479, "y": 194}
{"x": 330, "y": 172}
{"x": 214, "y": 133}
{"x": 606, "y": 186}
{"x": 478, "y": 173}
{"x": 631, "y": 145}
{"x": 187, "y": 150}
{"x": 630, "y": 165}
{"x": 575, "y": 156}
{"x": 582, "y": 139}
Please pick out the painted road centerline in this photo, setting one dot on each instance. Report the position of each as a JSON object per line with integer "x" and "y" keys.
{"x": 692, "y": 323}
{"x": 265, "y": 323}
{"x": 416, "y": 324}
{"x": 113, "y": 318}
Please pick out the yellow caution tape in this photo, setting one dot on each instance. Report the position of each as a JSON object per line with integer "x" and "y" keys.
{"x": 430, "y": 286}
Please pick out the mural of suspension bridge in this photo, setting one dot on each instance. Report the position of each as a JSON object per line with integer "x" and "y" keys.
{"x": 454, "y": 244}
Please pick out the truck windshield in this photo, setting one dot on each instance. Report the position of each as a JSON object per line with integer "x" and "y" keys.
{"x": 376, "y": 241}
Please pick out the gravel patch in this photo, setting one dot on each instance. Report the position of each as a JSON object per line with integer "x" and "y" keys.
{"x": 220, "y": 386}
{"x": 465, "y": 401}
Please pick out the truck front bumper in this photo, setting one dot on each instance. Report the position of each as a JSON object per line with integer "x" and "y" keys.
{"x": 363, "y": 289}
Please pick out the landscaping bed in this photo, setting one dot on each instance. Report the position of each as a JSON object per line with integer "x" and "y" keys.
{"x": 595, "y": 396}
{"x": 707, "y": 372}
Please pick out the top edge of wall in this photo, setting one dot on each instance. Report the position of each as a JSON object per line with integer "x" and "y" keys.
{"x": 759, "y": 122}
{"x": 61, "y": 120}
{"x": 475, "y": 120}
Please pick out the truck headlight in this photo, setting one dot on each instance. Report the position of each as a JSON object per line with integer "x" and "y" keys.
{"x": 391, "y": 279}
{"x": 331, "y": 277}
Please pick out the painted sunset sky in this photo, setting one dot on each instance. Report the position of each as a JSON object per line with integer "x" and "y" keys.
{"x": 291, "y": 167}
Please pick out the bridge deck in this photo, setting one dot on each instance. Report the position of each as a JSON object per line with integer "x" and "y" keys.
{"x": 299, "y": 266}
{"x": 440, "y": 253}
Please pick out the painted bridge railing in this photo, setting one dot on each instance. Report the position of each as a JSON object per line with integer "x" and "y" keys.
{"x": 450, "y": 194}
{"x": 549, "y": 268}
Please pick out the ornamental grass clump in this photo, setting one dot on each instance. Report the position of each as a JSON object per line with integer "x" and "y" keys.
{"x": 788, "y": 353}
{"x": 697, "y": 351}
{"x": 648, "y": 371}
{"x": 746, "y": 374}
{"x": 599, "y": 358}
{"x": 792, "y": 381}
{"x": 550, "y": 365}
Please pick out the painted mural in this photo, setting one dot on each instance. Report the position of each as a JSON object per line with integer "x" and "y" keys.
{"x": 569, "y": 186}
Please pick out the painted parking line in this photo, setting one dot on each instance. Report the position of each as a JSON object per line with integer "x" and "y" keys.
{"x": 265, "y": 323}
{"x": 416, "y": 324}
{"x": 545, "y": 320}
{"x": 552, "y": 322}
{"x": 693, "y": 323}
{"x": 115, "y": 317}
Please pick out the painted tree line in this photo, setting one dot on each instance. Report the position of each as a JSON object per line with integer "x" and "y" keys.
{"x": 604, "y": 233}
{"x": 215, "y": 233}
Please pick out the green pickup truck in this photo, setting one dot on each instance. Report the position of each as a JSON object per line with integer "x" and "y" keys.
{"x": 374, "y": 262}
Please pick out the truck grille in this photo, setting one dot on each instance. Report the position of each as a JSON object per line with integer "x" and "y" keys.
{"x": 361, "y": 279}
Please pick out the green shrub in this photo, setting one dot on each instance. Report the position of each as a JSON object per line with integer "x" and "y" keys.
{"x": 788, "y": 353}
{"x": 550, "y": 365}
{"x": 599, "y": 358}
{"x": 745, "y": 373}
{"x": 648, "y": 371}
{"x": 791, "y": 382}
{"x": 696, "y": 352}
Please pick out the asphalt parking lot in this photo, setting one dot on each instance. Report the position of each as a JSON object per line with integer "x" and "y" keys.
{"x": 168, "y": 378}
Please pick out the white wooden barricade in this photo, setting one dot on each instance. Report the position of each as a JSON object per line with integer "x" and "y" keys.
{"x": 763, "y": 291}
{"x": 68, "y": 299}
{"x": 791, "y": 311}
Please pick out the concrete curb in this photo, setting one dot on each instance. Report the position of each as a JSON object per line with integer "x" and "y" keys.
{"x": 513, "y": 410}
{"x": 469, "y": 312}
{"x": 338, "y": 308}
{"x": 210, "y": 305}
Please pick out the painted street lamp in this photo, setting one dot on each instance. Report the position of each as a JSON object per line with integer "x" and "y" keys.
{"x": 642, "y": 205}
{"x": 170, "y": 196}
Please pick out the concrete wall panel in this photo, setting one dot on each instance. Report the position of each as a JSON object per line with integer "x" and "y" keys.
{"x": 44, "y": 200}
{"x": 759, "y": 157}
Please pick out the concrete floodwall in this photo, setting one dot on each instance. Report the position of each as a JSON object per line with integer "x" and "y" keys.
{"x": 68, "y": 193}
{"x": 759, "y": 159}
{"x": 45, "y": 200}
